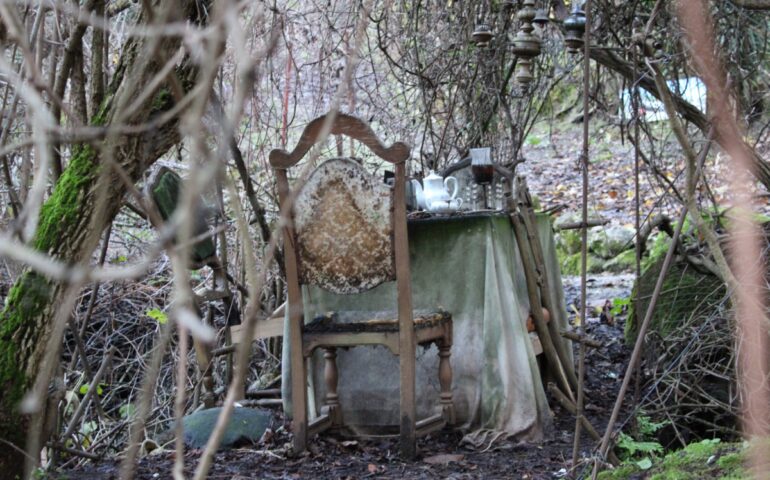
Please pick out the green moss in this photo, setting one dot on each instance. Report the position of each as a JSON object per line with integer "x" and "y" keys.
{"x": 731, "y": 461}
{"x": 100, "y": 118}
{"x": 27, "y": 299}
{"x": 690, "y": 463}
{"x": 569, "y": 241}
{"x": 621, "y": 473}
{"x": 61, "y": 210}
{"x": 622, "y": 263}
{"x": 571, "y": 264}
{"x": 656, "y": 250}
{"x": 685, "y": 293}
{"x": 163, "y": 100}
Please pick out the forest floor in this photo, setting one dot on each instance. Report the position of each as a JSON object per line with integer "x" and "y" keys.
{"x": 552, "y": 171}
{"x": 444, "y": 455}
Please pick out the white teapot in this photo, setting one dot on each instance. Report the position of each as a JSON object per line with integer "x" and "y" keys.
{"x": 436, "y": 194}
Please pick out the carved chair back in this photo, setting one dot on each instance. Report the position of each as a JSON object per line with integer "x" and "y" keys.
{"x": 343, "y": 226}
{"x": 347, "y": 229}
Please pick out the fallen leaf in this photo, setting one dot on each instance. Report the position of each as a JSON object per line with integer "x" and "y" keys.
{"x": 372, "y": 468}
{"x": 444, "y": 458}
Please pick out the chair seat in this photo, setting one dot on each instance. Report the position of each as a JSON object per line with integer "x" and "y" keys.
{"x": 368, "y": 321}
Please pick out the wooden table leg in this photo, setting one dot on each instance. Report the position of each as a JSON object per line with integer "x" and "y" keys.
{"x": 445, "y": 380}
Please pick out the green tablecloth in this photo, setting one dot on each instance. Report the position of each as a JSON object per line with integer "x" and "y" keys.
{"x": 470, "y": 267}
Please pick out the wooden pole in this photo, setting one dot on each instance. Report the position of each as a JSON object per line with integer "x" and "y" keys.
{"x": 583, "y": 231}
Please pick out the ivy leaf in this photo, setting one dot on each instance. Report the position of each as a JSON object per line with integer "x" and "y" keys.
{"x": 157, "y": 315}
{"x": 645, "y": 463}
{"x": 86, "y": 387}
{"x": 619, "y": 305}
{"x": 127, "y": 410}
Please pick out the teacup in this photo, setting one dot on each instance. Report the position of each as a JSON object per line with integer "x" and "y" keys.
{"x": 445, "y": 206}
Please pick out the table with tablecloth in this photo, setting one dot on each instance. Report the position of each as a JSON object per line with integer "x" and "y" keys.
{"x": 468, "y": 265}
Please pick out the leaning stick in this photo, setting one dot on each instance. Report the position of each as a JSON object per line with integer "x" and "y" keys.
{"x": 91, "y": 394}
{"x": 530, "y": 223}
{"x": 541, "y": 326}
{"x": 581, "y": 338}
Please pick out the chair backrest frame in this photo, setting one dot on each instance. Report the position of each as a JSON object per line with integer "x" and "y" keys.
{"x": 397, "y": 154}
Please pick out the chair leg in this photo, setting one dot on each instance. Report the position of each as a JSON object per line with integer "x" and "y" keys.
{"x": 408, "y": 405}
{"x": 299, "y": 400}
{"x": 331, "y": 377}
{"x": 445, "y": 380}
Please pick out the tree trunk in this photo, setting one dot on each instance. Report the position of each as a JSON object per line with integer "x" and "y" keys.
{"x": 86, "y": 198}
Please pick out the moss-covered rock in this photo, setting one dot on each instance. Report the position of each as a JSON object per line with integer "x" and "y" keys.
{"x": 610, "y": 241}
{"x": 570, "y": 264}
{"x": 686, "y": 292}
{"x": 166, "y": 192}
{"x": 246, "y": 425}
{"x": 624, "y": 262}
{"x": 705, "y": 459}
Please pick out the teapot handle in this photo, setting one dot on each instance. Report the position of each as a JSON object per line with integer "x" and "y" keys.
{"x": 454, "y": 189}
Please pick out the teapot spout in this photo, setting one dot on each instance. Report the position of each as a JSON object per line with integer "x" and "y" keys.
{"x": 419, "y": 196}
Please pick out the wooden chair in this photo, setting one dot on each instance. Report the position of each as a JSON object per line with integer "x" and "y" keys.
{"x": 347, "y": 234}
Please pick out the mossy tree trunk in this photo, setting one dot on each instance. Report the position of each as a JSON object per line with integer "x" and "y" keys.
{"x": 85, "y": 199}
